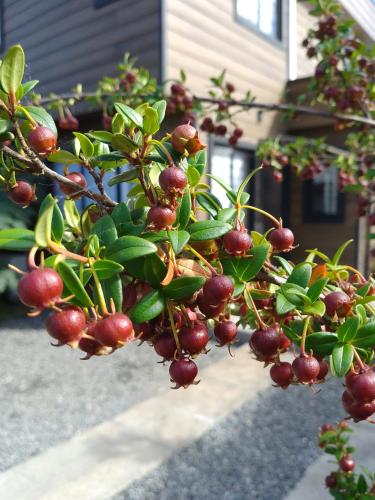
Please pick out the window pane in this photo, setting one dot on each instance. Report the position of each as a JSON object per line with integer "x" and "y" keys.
{"x": 326, "y": 192}
{"x": 249, "y": 9}
{"x": 221, "y": 167}
{"x": 268, "y": 17}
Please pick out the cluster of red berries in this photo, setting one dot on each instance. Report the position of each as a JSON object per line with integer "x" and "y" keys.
{"x": 69, "y": 122}
{"x": 222, "y": 130}
{"x": 180, "y": 101}
{"x": 128, "y": 81}
{"x": 358, "y": 398}
{"x": 278, "y": 160}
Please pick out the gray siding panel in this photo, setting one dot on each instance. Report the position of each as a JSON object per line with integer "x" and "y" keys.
{"x": 70, "y": 41}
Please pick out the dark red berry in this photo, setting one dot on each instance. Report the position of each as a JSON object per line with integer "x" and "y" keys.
{"x": 185, "y": 138}
{"x": 178, "y": 89}
{"x": 284, "y": 342}
{"x": 233, "y": 140}
{"x": 173, "y": 180}
{"x": 230, "y": 87}
{"x": 161, "y": 216}
{"x": 326, "y": 427}
{"x": 324, "y": 368}
{"x": 79, "y": 179}
{"x": 22, "y": 193}
{"x": 306, "y": 369}
{"x": 347, "y": 464}
{"x": 331, "y": 480}
{"x": 42, "y": 140}
{"x": 361, "y": 385}
{"x": 265, "y": 342}
{"x": 222, "y": 106}
{"x": 277, "y": 176}
{"x": 194, "y": 339}
{"x": 282, "y": 374}
{"x": 165, "y": 345}
{"x": 220, "y": 129}
{"x": 107, "y": 122}
{"x": 210, "y": 311}
{"x": 40, "y": 288}
{"x": 69, "y": 123}
{"x": 144, "y": 331}
{"x": 225, "y": 332}
{"x": 238, "y": 132}
{"x": 91, "y": 347}
{"x": 337, "y": 303}
{"x": 183, "y": 372}
{"x": 130, "y": 77}
{"x": 236, "y": 242}
{"x": 282, "y": 239}
{"x": 114, "y": 330}
{"x": 357, "y": 410}
{"x": 67, "y": 325}
{"x": 218, "y": 289}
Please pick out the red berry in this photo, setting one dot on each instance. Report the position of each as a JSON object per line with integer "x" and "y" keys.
{"x": 144, "y": 331}
{"x": 277, "y": 176}
{"x": 114, "y": 330}
{"x": 90, "y": 346}
{"x": 67, "y": 325}
{"x": 225, "y": 332}
{"x": 165, "y": 345}
{"x": 324, "y": 368}
{"x": 194, "y": 339}
{"x": 222, "y": 106}
{"x": 40, "y": 288}
{"x": 210, "y": 311}
{"x": 282, "y": 239}
{"x": 265, "y": 343}
{"x": 230, "y": 87}
{"x": 217, "y": 289}
{"x": 161, "y": 216}
{"x": 173, "y": 180}
{"x": 185, "y": 138}
{"x": 347, "y": 464}
{"x": 236, "y": 242}
{"x": 361, "y": 385}
{"x": 76, "y": 177}
{"x": 130, "y": 77}
{"x": 284, "y": 343}
{"x": 233, "y": 140}
{"x": 220, "y": 130}
{"x": 107, "y": 122}
{"x": 238, "y": 132}
{"x": 42, "y": 140}
{"x": 357, "y": 410}
{"x": 337, "y": 303}
{"x": 331, "y": 480}
{"x": 306, "y": 369}
{"x": 326, "y": 427}
{"x": 183, "y": 372}
{"x": 282, "y": 374}
{"x": 178, "y": 89}
{"x": 22, "y": 193}
{"x": 69, "y": 123}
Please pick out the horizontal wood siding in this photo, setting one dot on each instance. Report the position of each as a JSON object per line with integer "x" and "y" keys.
{"x": 70, "y": 41}
{"x": 203, "y": 37}
{"x": 305, "y": 66}
{"x": 363, "y": 12}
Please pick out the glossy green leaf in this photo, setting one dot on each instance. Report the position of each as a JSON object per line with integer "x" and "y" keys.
{"x": 112, "y": 289}
{"x": 321, "y": 343}
{"x": 210, "y": 203}
{"x": 229, "y": 192}
{"x": 318, "y": 308}
{"x": 119, "y": 122}
{"x": 57, "y": 227}
{"x": 130, "y": 114}
{"x": 178, "y": 240}
{"x": 160, "y": 107}
{"x": 193, "y": 176}
{"x": 341, "y": 359}
{"x": 258, "y": 255}
{"x": 340, "y": 251}
{"x": 316, "y": 289}
{"x": 183, "y": 287}
{"x": 283, "y": 306}
{"x": 151, "y": 123}
{"x": 16, "y": 239}
{"x": 124, "y": 143}
{"x": 105, "y": 269}
{"x": 127, "y": 176}
{"x": 227, "y": 215}
{"x": 12, "y": 69}
{"x": 87, "y": 146}
{"x": 105, "y": 229}
{"x": 199, "y": 161}
{"x": 122, "y": 218}
{"x": 244, "y": 184}
{"x": 28, "y": 86}
{"x": 148, "y": 307}
{"x": 301, "y": 275}
{"x": 288, "y": 268}
{"x": 73, "y": 284}
{"x": 129, "y": 247}
{"x": 348, "y": 329}
{"x": 71, "y": 213}
{"x": 42, "y": 117}
{"x": 43, "y": 228}
{"x": 154, "y": 270}
{"x": 208, "y": 230}
{"x": 101, "y": 135}
{"x": 65, "y": 157}
{"x": 365, "y": 336}
{"x": 183, "y": 211}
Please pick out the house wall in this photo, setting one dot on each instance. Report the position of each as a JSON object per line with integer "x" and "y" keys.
{"x": 305, "y": 66}
{"x": 67, "y": 42}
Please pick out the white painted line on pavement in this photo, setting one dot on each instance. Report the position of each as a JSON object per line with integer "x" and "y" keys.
{"x": 105, "y": 459}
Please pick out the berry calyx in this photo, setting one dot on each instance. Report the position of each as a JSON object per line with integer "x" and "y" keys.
{"x": 218, "y": 289}
{"x": 265, "y": 343}
{"x": 173, "y": 180}
{"x": 357, "y": 410}
{"x": 236, "y": 242}
{"x": 225, "y": 332}
{"x": 76, "y": 177}
{"x": 114, "y": 331}
{"x": 337, "y": 303}
{"x": 183, "y": 372}
{"x": 282, "y": 239}
{"x": 66, "y": 326}
{"x": 22, "y": 193}
{"x": 161, "y": 217}
{"x": 361, "y": 385}
{"x": 347, "y": 464}
{"x": 185, "y": 138}
{"x": 165, "y": 345}
{"x": 194, "y": 339}
{"x": 306, "y": 369}
{"x": 40, "y": 288}
{"x": 282, "y": 374}
{"x": 42, "y": 140}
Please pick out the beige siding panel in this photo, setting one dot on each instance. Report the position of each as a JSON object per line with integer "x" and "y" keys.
{"x": 362, "y": 11}
{"x": 305, "y": 66}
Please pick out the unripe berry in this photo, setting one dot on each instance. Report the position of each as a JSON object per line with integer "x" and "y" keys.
{"x": 22, "y": 193}
{"x": 282, "y": 239}
{"x": 76, "y": 177}
{"x": 40, "y": 288}
{"x": 114, "y": 331}
{"x": 183, "y": 372}
{"x": 42, "y": 140}
{"x": 173, "y": 180}
{"x": 161, "y": 217}
{"x": 236, "y": 242}
{"x": 67, "y": 325}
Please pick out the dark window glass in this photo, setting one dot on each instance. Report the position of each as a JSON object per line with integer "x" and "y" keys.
{"x": 265, "y": 15}
{"x": 101, "y": 3}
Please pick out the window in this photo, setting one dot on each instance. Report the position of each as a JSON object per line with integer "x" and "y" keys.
{"x": 101, "y": 3}
{"x": 322, "y": 200}
{"x": 264, "y": 15}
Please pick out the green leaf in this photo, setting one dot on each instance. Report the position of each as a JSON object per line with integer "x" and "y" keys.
{"x": 28, "y": 86}
{"x": 118, "y": 123}
{"x": 340, "y": 251}
{"x": 73, "y": 284}
{"x": 129, "y": 247}
{"x": 316, "y": 289}
{"x": 208, "y": 230}
{"x": 245, "y": 182}
{"x": 227, "y": 215}
{"x": 150, "y": 306}
{"x": 112, "y": 289}
{"x": 301, "y": 275}
{"x": 283, "y": 306}
{"x": 230, "y": 193}
{"x": 321, "y": 343}
{"x": 288, "y": 268}
{"x": 124, "y": 143}
{"x": 160, "y": 107}
{"x": 341, "y": 359}
{"x": 199, "y": 161}
{"x": 183, "y": 210}
{"x": 129, "y": 114}
{"x": 87, "y": 146}
{"x": 122, "y": 218}
{"x": 129, "y": 175}
{"x": 365, "y": 336}
{"x": 154, "y": 270}
{"x": 106, "y": 269}
{"x": 101, "y": 135}
{"x": 210, "y": 203}
{"x": 65, "y": 157}
{"x": 256, "y": 261}
{"x": 16, "y": 239}
{"x": 193, "y": 176}
{"x": 43, "y": 228}
{"x": 57, "y": 225}
{"x": 181, "y": 288}
{"x": 178, "y": 240}
{"x": 318, "y": 308}
{"x": 105, "y": 229}
{"x": 71, "y": 214}
{"x": 151, "y": 121}
{"x": 42, "y": 117}
{"x": 347, "y": 330}
{"x": 12, "y": 69}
